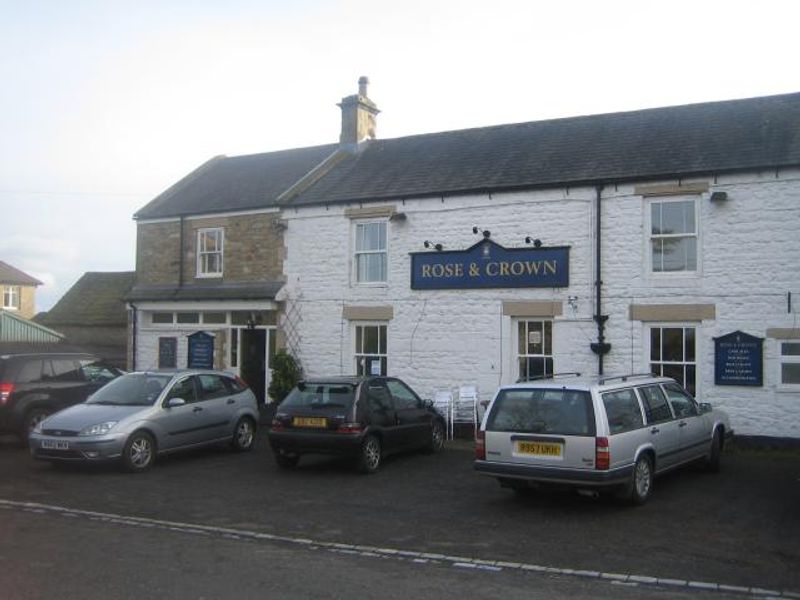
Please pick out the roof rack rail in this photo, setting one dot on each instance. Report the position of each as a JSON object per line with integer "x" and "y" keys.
{"x": 551, "y": 376}
{"x": 625, "y": 377}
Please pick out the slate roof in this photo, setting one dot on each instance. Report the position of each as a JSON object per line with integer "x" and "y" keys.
{"x": 678, "y": 141}
{"x": 236, "y": 183}
{"x": 13, "y": 276}
{"x": 656, "y": 143}
{"x": 96, "y": 299}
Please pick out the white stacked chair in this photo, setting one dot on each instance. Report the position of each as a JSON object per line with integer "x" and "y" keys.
{"x": 465, "y": 406}
{"x": 443, "y": 403}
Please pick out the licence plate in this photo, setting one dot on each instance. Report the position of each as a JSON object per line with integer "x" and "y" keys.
{"x": 55, "y": 445}
{"x": 310, "y": 422}
{"x": 549, "y": 449}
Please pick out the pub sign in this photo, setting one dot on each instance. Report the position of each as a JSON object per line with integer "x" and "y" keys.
{"x": 490, "y": 265}
{"x": 739, "y": 359}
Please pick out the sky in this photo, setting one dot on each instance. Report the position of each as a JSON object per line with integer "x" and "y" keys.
{"x": 105, "y": 104}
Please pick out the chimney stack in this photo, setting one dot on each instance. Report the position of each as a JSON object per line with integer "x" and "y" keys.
{"x": 358, "y": 117}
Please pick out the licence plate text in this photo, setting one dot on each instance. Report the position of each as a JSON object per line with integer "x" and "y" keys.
{"x": 539, "y": 449}
{"x": 55, "y": 445}
{"x": 310, "y": 422}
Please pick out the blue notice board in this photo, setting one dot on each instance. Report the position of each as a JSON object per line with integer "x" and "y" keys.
{"x": 201, "y": 351}
{"x": 739, "y": 359}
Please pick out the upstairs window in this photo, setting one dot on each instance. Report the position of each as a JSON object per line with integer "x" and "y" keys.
{"x": 673, "y": 236}
{"x": 210, "y": 244}
{"x": 371, "y": 254}
{"x": 11, "y": 297}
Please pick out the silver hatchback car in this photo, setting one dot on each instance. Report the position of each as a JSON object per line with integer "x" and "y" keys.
{"x": 140, "y": 415}
{"x": 613, "y": 433}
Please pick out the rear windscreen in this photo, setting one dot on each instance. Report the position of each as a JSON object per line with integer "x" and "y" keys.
{"x": 562, "y": 412}
{"x": 320, "y": 395}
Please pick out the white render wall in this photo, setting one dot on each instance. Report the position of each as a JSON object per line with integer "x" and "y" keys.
{"x": 442, "y": 339}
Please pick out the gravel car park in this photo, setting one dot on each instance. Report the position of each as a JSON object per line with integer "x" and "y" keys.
{"x": 141, "y": 415}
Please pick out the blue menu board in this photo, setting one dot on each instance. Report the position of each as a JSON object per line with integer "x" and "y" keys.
{"x": 201, "y": 351}
{"x": 739, "y": 359}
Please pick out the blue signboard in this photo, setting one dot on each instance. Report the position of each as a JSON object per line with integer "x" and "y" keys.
{"x": 201, "y": 351}
{"x": 739, "y": 359}
{"x": 490, "y": 265}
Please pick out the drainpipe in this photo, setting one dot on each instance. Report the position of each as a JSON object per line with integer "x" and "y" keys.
{"x": 601, "y": 347}
{"x": 180, "y": 255}
{"x": 133, "y": 336}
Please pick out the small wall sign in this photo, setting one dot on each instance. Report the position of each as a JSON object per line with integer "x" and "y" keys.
{"x": 739, "y": 359}
{"x": 201, "y": 351}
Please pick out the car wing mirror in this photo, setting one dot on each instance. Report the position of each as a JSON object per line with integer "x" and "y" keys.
{"x": 175, "y": 402}
{"x": 705, "y": 407}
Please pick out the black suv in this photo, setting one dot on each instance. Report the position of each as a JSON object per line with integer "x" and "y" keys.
{"x": 32, "y": 386}
{"x": 362, "y": 417}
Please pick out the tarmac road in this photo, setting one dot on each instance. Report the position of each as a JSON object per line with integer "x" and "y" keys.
{"x": 738, "y": 529}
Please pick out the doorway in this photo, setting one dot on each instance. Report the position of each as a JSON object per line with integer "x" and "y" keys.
{"x": 255, "y": 351}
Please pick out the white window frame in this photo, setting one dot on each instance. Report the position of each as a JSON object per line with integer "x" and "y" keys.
{"x": 675, "y": 325}
{"x": 357, "y": 252}
{"x": 202, "y": 265}
{"x": 354, "y": 327}
{"x": 12, "y": 295}
{"x": 650, "y": 237}
{"x": 544, "y": 355}
{"x": 782, "y": 360}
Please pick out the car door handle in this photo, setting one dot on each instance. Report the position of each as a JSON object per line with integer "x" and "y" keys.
{"x": 197, "y": 409}
{"x": 230, "y": 401}
{"x": 682, "y": 424}
{"x": 655, "y": 430}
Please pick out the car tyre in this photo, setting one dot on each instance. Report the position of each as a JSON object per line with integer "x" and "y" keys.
{"x": 369, "y": 458}
{"x": 641, "y": 484}
{"x": 32, "y": 418}
{"x": 286, "y": 461}
{"x": 139, "y": 453}
{"x": 244, "y": 435}
{"x": 713, "y": 462}
{"x": 436, "y": 440}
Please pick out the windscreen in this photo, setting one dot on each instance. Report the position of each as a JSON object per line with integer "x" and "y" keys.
{"x": 133, "y": 389}
{"x": 320, "y": 395}
{"x": 553, "y": 411}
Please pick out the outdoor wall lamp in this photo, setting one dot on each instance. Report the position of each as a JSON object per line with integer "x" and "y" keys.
{"x": 486, "y": 233}
{"x": 428, "y": 244}
{"x": 537, "y": 243}
{"x": 719, "y": 196}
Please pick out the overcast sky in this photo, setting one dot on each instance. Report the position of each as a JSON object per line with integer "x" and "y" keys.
{"x": 104, "y": 104}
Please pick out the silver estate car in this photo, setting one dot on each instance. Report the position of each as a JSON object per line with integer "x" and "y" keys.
{"x": 613, "y": 433}
{"x": 140, "y": 415}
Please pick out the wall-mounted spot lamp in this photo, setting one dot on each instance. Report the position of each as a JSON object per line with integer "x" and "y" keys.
{"x": 398, "y": 216}
{"x": 537, "y": 243}
{"x": 486, "y": 233}
{"x": 719, "y": 196}
{"x": 428, "y": 244}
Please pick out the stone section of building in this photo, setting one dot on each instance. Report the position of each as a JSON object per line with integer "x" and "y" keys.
{"x": 158, "y": 252}
{"x": 441, "y": 339}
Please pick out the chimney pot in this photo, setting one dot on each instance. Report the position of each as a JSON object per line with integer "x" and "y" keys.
{"x": 363, "y": 82}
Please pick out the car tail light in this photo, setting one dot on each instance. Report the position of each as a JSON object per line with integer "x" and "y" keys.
{"x": 276, "y": 425}
{"x": 350, "y": 428}
{"x": 480, "y": 445}
{"x": 602, "y": 455}
{"x": 6, "y": 389}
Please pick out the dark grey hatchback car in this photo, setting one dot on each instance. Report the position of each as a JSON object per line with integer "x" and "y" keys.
{"x": 361, "y": 417}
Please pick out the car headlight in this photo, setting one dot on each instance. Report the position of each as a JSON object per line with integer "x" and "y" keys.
{"x": 99, "y": 429}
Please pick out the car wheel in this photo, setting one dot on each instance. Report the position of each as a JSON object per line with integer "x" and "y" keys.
{"x": 244, "y": 435}
{"x": 369, "y": 458}
{"x": 139, "y": 453}
{"x": 32, "y": 418}
{"x": 641, "y": 484}
{"x": 436, "y": 440}
{"x": 714, "y": 454}
{"x": 286, "y": 461}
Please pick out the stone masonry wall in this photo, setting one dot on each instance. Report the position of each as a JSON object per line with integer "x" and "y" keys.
{"x": 440, "y": 339}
